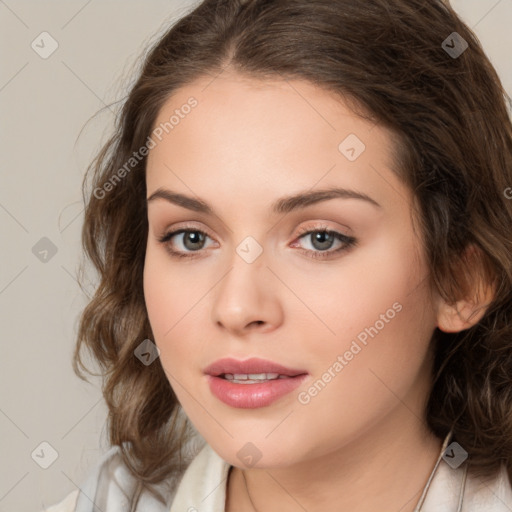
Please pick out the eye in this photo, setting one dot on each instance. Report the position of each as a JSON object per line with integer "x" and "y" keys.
{"x": 192, "y": 241}
{"x": 323, "y": 240}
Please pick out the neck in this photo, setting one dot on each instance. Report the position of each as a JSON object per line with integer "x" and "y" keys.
{"x": 384, "y": 468}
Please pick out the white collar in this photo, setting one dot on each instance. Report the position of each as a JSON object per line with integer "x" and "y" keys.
{"x": 203, "y": 485}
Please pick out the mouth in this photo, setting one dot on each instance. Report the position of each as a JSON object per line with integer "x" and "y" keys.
{"x": 252, "y": 383}
{"x": 250, "y": 369}
{"x": 252, "y": 378}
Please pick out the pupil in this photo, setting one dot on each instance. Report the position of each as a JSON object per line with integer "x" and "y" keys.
{"x": 325, "y": 239}
{"x": 195, "y": 237}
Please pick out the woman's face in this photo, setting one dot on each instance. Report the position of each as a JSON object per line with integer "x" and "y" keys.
{"x": 354, "y": 318}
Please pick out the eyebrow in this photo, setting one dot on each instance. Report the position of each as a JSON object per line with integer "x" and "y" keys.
{"x": 282, "y": 205}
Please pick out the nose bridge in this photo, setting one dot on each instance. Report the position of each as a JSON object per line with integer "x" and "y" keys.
{"x": 244, "y": 295}
{"x": 247, "y": 265}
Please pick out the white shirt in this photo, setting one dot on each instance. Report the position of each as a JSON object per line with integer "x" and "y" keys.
{"x": 202, "y": 488}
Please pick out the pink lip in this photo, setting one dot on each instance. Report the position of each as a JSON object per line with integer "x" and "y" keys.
{"x": 251, "y": 396}
{"x": 253, "y": 365}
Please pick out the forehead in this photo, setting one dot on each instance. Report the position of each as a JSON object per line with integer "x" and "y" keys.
{"x": 280, "y": 135}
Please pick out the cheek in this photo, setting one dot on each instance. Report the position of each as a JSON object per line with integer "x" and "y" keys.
{"x": 377, "y": 287}
{"x": 173, "y": 297}
{"x": 382, "y": 320}
{"x": 170, "y": 290}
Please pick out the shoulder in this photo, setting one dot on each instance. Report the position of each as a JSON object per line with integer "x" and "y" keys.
{"x": 68, "y": 504}
{"x": 489, "y": 494}
{"x": 105, "y": 467}
{"x": 459, "y": 490}
{"x": 110, "y": 486}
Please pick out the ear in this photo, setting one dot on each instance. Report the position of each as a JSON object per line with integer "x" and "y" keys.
{"x": 477, "y": 292}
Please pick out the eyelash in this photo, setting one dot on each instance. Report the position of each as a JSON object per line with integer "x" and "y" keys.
{"x": 348, "y": 241}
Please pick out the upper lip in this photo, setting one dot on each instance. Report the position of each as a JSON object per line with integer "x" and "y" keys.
{"x": 249, "y": 366}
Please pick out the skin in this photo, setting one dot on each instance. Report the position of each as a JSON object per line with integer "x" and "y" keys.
{"x": 246, "y": 144}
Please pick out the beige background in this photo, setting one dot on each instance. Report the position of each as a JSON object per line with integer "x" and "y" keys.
{"x": 45, "y": 103}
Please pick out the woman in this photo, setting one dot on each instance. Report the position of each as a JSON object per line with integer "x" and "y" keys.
{"x": 302, "y": 231}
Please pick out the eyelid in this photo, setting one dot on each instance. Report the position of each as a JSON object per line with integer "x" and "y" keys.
{"x": 323, "y": 227}
{"x": 186, "y": 226}
{"x": 302, "y": 231}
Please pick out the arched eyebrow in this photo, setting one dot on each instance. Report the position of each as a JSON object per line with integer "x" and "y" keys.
{"x": 281, "y": 206}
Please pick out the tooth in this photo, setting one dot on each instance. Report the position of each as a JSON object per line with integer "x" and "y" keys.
{"x": 251, "y": 378}
{"x": 260, "y": 376}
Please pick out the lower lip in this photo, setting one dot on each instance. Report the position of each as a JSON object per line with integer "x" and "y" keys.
{"x": 252, "y": 396}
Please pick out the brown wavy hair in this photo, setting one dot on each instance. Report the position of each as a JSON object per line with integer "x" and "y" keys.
{"x": 454, "y": 152}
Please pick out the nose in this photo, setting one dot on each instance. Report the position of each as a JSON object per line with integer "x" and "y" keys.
{"x": 247, "y": 298}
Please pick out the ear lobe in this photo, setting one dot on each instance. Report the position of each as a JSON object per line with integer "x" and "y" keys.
{"x": 478, "y": 291}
